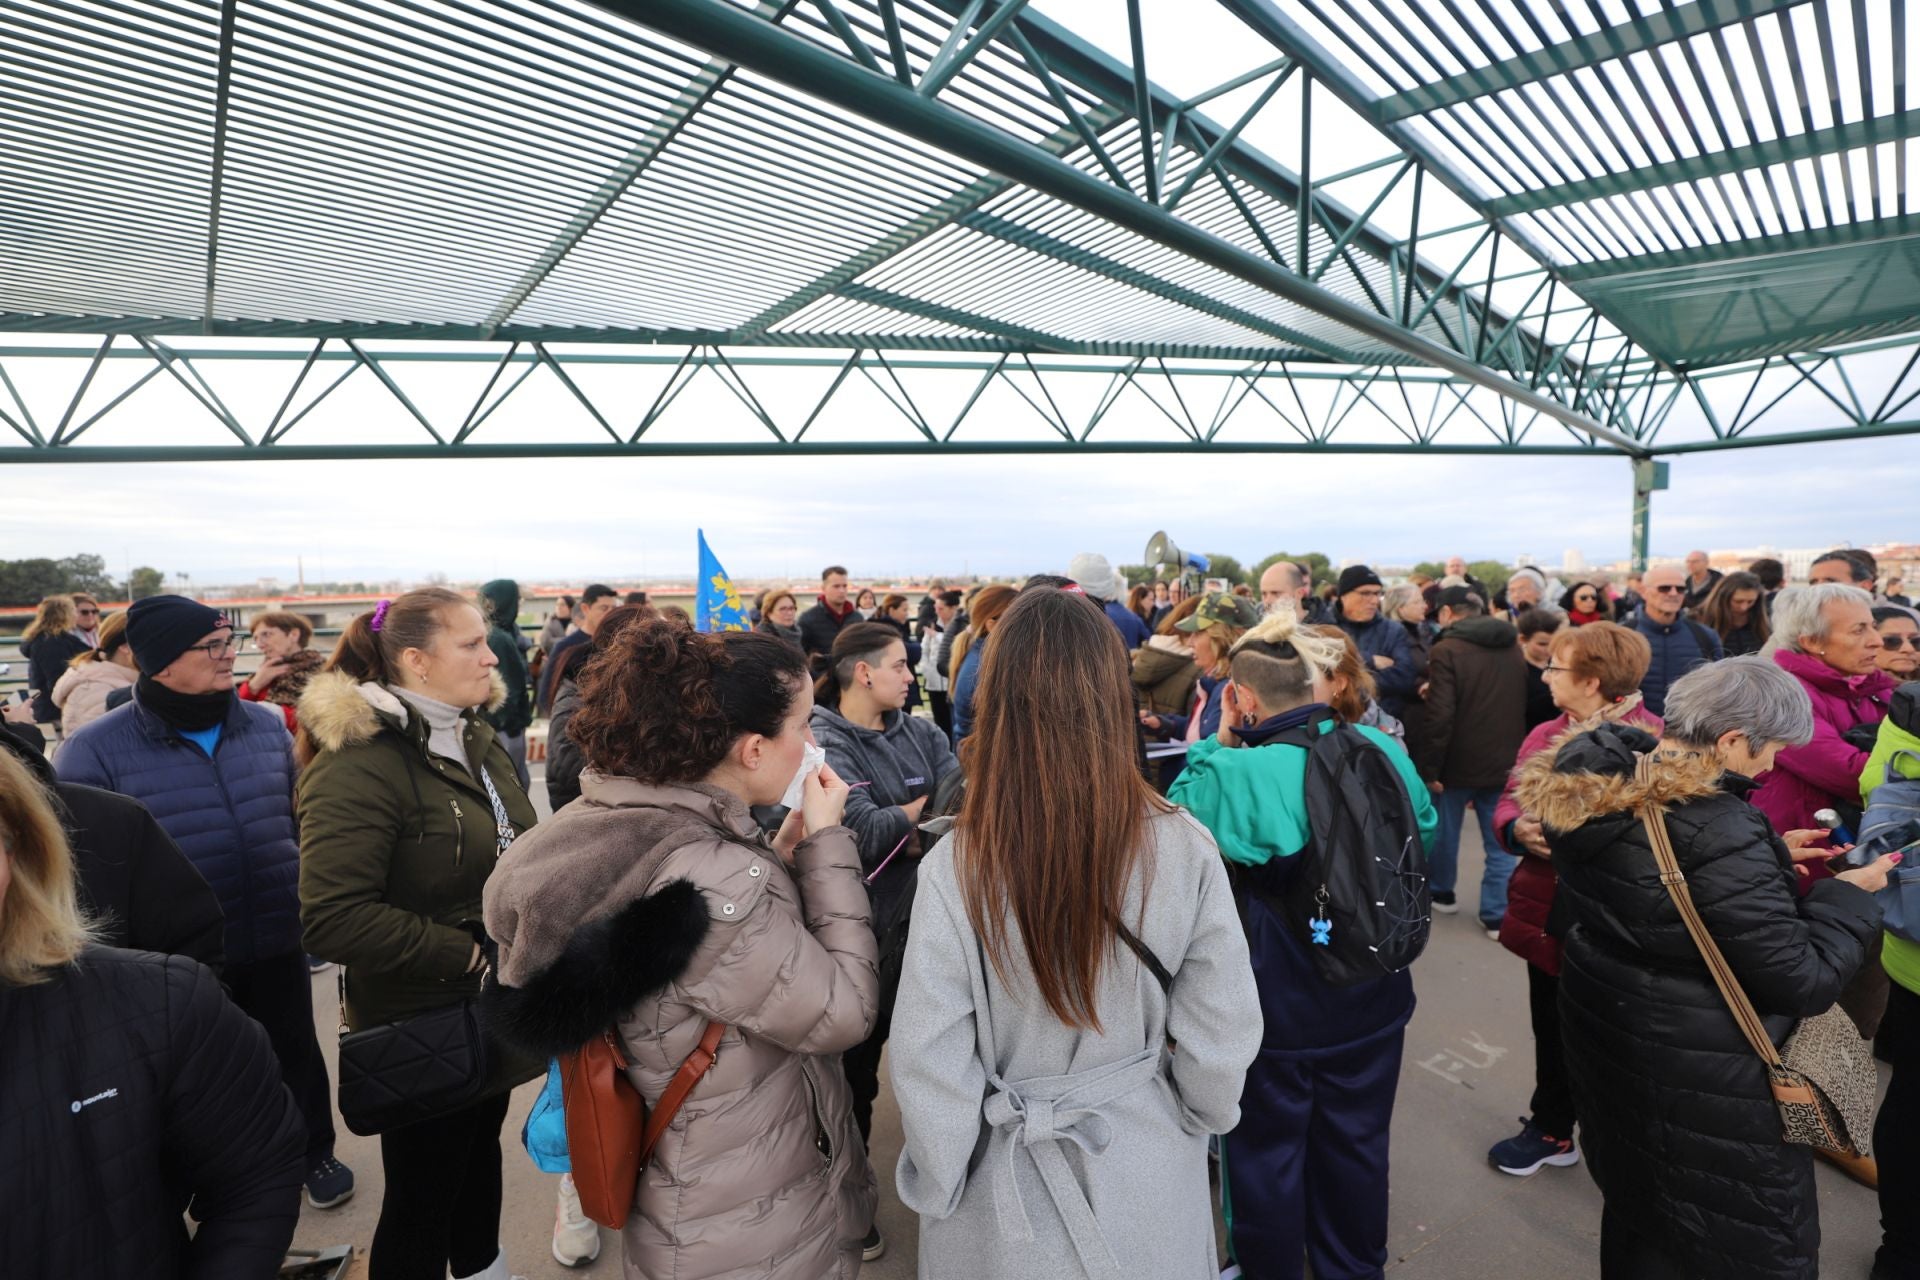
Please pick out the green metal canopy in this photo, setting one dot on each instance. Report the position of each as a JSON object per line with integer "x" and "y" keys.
{"x": 1631, "y": 226}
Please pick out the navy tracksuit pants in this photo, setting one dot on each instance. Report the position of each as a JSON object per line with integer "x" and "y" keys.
{"x": 1306, "y": 1169}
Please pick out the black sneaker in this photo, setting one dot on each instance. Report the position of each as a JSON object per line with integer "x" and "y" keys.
{"x": 329, "y": 1184}
{"x": 1445, "y": 903}
{"x": 1532, "y": 1149}
{"x": 874, "y": 1245}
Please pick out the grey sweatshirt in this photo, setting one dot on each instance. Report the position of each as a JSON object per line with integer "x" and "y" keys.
{"x": 901, "y": 761}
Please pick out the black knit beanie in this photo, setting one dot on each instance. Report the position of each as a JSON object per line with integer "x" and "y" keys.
{"x": 160, "y": 629}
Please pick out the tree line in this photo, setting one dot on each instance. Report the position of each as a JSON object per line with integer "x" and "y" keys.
{"x": 25, "y": 582}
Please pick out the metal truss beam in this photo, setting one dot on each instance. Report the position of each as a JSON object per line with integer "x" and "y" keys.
{"x": 727, "y": 32}
{"x": 1036, "y": 381}
{"x": 1638, "y": 34}
{"x": 770, "y": 448}
{"x": 1868, "y": 391}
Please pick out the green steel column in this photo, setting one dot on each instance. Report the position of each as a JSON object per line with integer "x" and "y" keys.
{"x": 1649, "y": 475}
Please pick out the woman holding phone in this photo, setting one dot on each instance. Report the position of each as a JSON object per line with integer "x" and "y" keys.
{"x": 892, "y": 761}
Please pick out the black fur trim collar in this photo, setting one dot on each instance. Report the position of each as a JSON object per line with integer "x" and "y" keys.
{"x": 610, "y": 965}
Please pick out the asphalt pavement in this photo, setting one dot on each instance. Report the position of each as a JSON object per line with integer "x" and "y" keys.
{"x": 1465, "y": 1080}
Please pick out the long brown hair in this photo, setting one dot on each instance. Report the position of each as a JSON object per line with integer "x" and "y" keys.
{"x": 1048, "y": 836}
{"x": 987, "y": 607}
{"x": 1717, "y": 609}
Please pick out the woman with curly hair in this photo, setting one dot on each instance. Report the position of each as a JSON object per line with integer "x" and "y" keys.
{"x": 654, "y": 905}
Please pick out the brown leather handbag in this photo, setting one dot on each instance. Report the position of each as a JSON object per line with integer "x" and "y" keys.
{"x": 610, "y": 1133}
{"x": 1824, "y": 1083}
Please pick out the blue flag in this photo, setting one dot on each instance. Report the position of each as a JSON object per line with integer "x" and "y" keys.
{"x": 720, "y": 608}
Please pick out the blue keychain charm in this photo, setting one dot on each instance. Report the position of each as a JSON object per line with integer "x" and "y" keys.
{"x": 1320, "y": 927}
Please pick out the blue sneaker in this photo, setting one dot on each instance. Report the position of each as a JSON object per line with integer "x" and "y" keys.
{"x": 1522, "y": 1156}
{"x": 329, "y": 1184}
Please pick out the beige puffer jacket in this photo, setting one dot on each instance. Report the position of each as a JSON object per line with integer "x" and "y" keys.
{"x": 81, "y": 692}
{"x": 762, "y": 1175}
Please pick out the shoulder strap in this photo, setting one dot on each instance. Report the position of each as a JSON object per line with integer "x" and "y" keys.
{"x": 663, "y": 1111}
{"x": 1723, "y": 976}
{"x": 1703, "y": 637}
{"x": 1147, "y": 958}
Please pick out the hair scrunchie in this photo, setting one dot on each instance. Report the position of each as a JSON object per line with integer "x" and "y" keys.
{"x": 379, "y": 616}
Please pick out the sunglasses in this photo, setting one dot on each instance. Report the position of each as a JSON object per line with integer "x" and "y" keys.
{"x": 1901, "y": 642}
{"x": 1669, "y": 591}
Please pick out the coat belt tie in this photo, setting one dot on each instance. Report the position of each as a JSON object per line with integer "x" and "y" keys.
{"x": 1035, "y": 1117}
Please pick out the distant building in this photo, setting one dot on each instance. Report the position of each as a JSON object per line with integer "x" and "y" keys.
{"x": 1573, "y": 561}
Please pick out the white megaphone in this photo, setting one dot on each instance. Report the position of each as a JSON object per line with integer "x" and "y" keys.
{"x": 1161, "y": 553}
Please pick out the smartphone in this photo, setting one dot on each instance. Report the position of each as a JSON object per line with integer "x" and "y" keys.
{"x": 1855, "y": 858}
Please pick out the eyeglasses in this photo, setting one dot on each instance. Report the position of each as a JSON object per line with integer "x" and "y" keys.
{"x": 1668, "y": 591}
{"x": 88, "y": 613}
{"x": 1585, "y": 597}
{"x": 1371, "y": 593}
{"x": 216, "y": 649}
{"x": 1550, "y": 668}
{"x": 1901, "y": 642}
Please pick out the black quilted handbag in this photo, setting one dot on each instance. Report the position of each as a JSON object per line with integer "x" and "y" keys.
{"x": 411, "y": 1070}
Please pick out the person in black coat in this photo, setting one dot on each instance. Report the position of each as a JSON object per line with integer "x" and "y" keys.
{"x": 135, "y": 1091}
{"x": 1680, "y": 1128}
{"x": 49, "y": 644}
{"x": 136, "y": 886}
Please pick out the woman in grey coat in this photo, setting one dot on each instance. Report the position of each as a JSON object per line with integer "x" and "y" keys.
{"x": 1077, "y": 1011}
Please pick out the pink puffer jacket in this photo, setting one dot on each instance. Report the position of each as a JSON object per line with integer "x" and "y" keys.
{"x": 81, "y": 692}
{"x": 1826, "y": 771}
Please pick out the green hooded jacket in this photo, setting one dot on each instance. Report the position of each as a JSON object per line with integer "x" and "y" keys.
{"x": 1253, "y": 798}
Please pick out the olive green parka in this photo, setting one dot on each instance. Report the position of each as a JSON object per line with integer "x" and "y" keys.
{"x": 396, "y": 845}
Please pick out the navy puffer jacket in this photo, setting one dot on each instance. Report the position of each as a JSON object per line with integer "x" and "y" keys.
{"x": 131, "y": 1090}
{"x": 232, "y": 815}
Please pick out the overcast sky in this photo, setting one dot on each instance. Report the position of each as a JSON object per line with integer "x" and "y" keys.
{"x": 560, "y": 521}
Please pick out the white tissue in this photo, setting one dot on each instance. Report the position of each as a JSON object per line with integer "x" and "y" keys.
{"x": 810, "y": 762}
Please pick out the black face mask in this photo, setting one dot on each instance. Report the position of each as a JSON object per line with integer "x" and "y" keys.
{"x": 193, "y": 712}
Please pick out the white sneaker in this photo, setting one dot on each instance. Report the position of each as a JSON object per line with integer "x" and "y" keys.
{"x": 576, "y": 1237}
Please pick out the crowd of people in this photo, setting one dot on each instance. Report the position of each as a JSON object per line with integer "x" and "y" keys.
{"x": 1147, "y": 882}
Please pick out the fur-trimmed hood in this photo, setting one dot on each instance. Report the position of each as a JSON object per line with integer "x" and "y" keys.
{"x": 1590, "y": 773}
{"x": 339, "y": 711}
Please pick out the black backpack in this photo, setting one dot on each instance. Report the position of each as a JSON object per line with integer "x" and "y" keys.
{"x": 1358, "y": 894}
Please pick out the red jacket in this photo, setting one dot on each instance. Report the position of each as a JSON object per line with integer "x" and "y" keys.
{"x": 1530, "y": 892}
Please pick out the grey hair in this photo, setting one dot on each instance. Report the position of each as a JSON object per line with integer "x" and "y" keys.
{"x": 1398, "y": 598}
{"x": 1749, "y": 696}
{"x": 1802, "y": 611}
